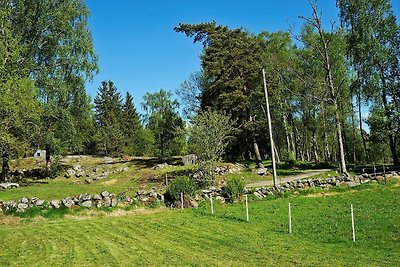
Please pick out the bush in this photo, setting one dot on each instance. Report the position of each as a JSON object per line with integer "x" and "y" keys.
{"x": 181, "y": 184}
{"x": 234, "y": 189}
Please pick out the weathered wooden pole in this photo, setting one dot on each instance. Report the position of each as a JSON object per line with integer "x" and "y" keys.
{"x": 271, "y": 139}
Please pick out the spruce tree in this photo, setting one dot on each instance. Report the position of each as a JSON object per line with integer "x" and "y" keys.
{"x": 108, "y": 114}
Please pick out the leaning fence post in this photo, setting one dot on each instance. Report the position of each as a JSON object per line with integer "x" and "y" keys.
{"x": 290, "y": 219}
{"x": 352, "y": 223}
{"x": 247, "y": 209}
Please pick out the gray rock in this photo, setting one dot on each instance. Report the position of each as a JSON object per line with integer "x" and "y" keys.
{"x": 88, "y": 181}
{"x": 68, "y": 202}
{"x": 99, "y": 203}
{"x": 80, "y": 174}
{"x": 107, "y": 201}
{"x": 141, "y": 192}
{"x": 86, "y": 197}
{"x": 161, "y": 166}
{"x": 6, "y": 186}
{"x": 87, "y": 204}
{"x": 39, "y": 203}
{"x": 24, "y": 200}
{"x": 220, "y": 198}
{"x": 97, "y": 197}
{"x": 189, "y": 159}
{"x": 257, "y": 194}
{"x": 114, "y": 202}
{"x": 55, "y": 203}
{"x": 96, "y": 169}
{"x": 22, "y": 206}
{"x": 261, "y": 171}
{"x": 105, "y": 194}
{"x": 77, "y": 168}
{"x": 10, "y": 204}
{"x": 194, "y": 203}
{"x": 69, "y": 173}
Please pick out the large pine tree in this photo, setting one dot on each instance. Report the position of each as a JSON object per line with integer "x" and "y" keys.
{"x": 108, "y": 114}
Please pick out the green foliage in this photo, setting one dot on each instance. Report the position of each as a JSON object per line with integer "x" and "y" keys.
{"x": 181, "y": 184}
{"x": 209, "y": 137}
{"x": 234, "y": 189}
{"x": 231, "y": 72}
{"x": 108, "y": 106}
{"x": 373, "y": 39}
{"x": 164, "y": 122}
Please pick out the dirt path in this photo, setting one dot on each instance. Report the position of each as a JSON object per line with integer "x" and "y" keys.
{"x": 290, "y": 178}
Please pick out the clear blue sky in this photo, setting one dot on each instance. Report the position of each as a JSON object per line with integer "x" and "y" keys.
{"x": 139, "y": 50}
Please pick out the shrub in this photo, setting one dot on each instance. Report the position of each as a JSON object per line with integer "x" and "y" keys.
{"x": 181, "y": 184}
{"x": 234, "y": 189}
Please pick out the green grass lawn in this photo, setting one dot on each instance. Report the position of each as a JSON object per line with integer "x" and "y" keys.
{"x": 321, "y": 234}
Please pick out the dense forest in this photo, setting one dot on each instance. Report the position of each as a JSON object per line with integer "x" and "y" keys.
{"x": 320, "y": 85}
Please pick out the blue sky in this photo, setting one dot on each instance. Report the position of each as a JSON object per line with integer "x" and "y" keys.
{"x": 139, "y": 50}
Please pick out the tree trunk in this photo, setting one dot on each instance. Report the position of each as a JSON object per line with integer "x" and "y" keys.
{"x": 5, "y": 164}
{"x": 327, "y": 153}
{"x": 48, "y": 156}
{"x": 392, "y": 139}
{"x": 361, "y": 128}
{"x": 255, "y": 145}
{"x": 342, "y": 159}
{"x": 354, "y": 132}
{"x": 331, "y": 86}
{"x": 315, "y": 145}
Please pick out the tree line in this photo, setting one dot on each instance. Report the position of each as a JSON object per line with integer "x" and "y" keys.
{"x": 320, "y": 83}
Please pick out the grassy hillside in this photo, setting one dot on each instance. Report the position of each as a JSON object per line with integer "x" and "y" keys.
{"x": 321, "y": 234}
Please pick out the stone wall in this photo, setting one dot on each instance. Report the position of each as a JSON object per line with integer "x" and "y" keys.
{"x": 345, "y": 181}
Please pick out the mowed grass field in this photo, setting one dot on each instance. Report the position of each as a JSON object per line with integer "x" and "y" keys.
{"x": 321, "y": 234}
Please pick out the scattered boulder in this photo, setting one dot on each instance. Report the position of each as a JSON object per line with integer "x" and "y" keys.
{"x": 261, "y": 171}
{"x": 6, "y": 186}
{"x": 88, "y": 181}
{"x": 189, "y": 159}
{"x": 161, "y": 166}
{"x": 77, "y": 168}
{"x": 80, "y": 174}
{"x": 69, "y": 173}
{"x": 194, "y": 203}
{"x": 96, "y": 169}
